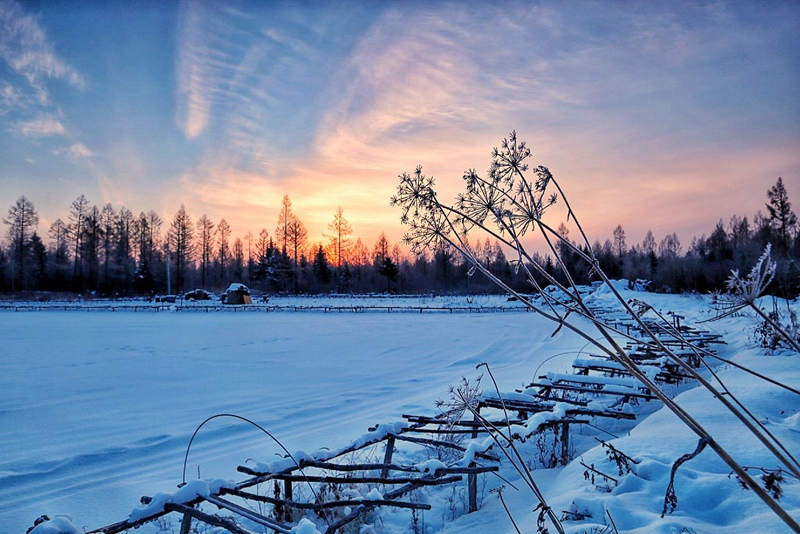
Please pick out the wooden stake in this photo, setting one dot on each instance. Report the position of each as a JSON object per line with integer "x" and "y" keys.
{"x": 387, "y": 457}
{"x": 186, "y": 524}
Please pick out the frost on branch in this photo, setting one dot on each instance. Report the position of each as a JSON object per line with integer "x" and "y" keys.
{"x": 507, "y": 201}
{"x": 745, "y": 291}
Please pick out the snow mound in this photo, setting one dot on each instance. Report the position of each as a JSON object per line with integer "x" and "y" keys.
{"x": 61, "y": 524}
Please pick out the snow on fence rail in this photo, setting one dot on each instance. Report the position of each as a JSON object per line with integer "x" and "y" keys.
{"x": 361, "y": 488}
{"x": 257, "y": 308}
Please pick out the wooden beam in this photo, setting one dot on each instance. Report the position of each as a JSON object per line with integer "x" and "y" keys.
{"x": 331, "y": 504}
{"x": 249, "y": 514}
{"x": 214, "y": 520}
{"x": 445, "y": 444}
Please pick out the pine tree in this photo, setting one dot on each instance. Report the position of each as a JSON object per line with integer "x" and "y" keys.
{"x": 321, "y": 270}
{"x": 781, "y": 216}
{"x": 79, "y": 209}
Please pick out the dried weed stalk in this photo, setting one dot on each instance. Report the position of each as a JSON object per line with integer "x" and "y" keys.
{"x": 512, "y": 201}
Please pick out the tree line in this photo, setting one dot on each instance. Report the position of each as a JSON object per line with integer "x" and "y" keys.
{"x": 706, "y": 264}
{"x": 108, "y": 252}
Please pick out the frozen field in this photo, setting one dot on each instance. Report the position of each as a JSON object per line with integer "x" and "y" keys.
{"x": 97, "y": 407}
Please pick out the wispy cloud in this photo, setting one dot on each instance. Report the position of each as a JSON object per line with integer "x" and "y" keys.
{"x": 604, "y": 94}
{"x": 212, "y": 53}
{"x": 24, "y": 46}
{"x": 44, "y": 125}
{"x": 75, "y": 151}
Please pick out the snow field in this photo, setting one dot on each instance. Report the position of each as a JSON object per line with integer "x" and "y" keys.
{"x": 101, "y": 406}
{"x": 98, "y": 407}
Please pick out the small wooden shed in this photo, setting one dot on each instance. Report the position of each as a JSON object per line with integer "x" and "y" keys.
{"x": 237, "y": 294}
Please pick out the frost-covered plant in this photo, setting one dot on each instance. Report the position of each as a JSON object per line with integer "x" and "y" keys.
{"x": 620, "y": 459}
{"x": 460, "y": 400}
{"x": 745, "y": 291}
{"x": 776, "y": 332}
{"x": 509, "y": 203}
{"x": 742, "y": 293}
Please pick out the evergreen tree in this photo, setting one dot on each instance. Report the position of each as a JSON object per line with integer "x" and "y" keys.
{"x": 781, "y": 216}
{"x": 320, "y": 266}
{"x": 389, "y": 270}
{"x": 38, "y": 254}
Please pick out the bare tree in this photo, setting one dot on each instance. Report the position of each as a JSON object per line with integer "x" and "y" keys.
{"x": 238, "y": 260}
{"x": 649, "y": 243}
{"x": 284, "y": 219}
{"x": 297, "y": 237}
{"x": 59, "y": 235}
{"x": 262, "y": 245}
{"x": 381, "y": 250}
{"x": 223, "y": 235}
{"x": 124, "y": 228}
{"x": 670, "y": 246}
{"x": 108, "y": 219}
{"x": 205, "y": 238}
{"x": 338, "y": 238}
{"x": 79, "y": 209}
{"x": 22, "y": 222}
{"x": 91, "y": 245}
{"x": 181, "y": 235}
{"x": 620, "y": 248}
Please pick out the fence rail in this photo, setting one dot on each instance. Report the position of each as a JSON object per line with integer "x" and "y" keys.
{"x": 32, "y": 307}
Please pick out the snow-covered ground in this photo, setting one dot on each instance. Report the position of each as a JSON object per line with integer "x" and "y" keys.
{"x": 97, "y": 408}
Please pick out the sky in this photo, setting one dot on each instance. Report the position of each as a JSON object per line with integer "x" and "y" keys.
{"x": 666, "y": 116}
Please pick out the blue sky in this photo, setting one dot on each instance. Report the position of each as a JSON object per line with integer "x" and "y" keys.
{"x": 654, "y": 115}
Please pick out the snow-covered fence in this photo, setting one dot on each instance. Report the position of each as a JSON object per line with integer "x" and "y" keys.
{"x": 312, "y": 483}
{"x": 138, "y": 306}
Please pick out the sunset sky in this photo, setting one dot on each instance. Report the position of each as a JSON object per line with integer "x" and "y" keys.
{"x": 654, "y": 115}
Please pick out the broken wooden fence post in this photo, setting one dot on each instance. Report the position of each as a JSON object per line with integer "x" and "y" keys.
{"x": 287, "y": 494}
{"x": 565, "y": 444}
{"x": 387, "y": 457}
